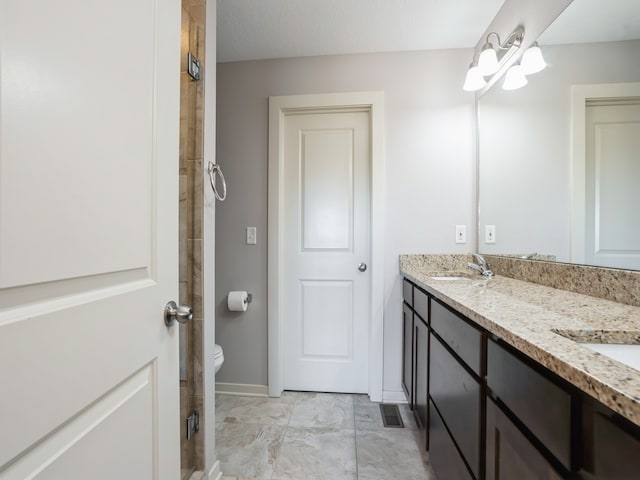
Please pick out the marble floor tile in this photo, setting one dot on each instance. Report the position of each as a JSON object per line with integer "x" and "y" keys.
{"x": 254, "y": 410}
{"x": 316, "y": 454}
{"x": 368, "y": 417}
{"x": 315, "y": 436}
{"x": 329, "y": 410}
{"x": 362, "y": 399}
{"x": 248, "y": 450}
{"x": 390, "y": 454}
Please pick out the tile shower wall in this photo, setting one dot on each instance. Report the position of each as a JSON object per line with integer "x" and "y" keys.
{"x": 190, "y": 235}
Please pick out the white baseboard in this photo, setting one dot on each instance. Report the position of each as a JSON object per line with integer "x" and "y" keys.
{"x": 215, "y": 473}
{"x": 242, "y": 389}
{"x": 389, "y": 396}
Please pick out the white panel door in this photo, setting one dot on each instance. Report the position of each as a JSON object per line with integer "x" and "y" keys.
{"x": 613, "y": 185}
{"x": 89, "y": 94}
{"x": 326, "y": 238}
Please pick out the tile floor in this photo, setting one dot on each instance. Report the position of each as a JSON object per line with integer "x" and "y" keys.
{"x": 315, "y": 436}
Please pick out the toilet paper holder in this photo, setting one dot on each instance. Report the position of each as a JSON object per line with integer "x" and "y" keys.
{"x": 238, "y": 301}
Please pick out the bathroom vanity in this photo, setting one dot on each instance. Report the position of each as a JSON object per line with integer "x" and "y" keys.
{"x": 502, "y": 386}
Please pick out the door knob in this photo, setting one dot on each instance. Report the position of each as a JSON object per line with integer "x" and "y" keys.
{"x": 362, "y": 267}
{"x": 173, "y": 312}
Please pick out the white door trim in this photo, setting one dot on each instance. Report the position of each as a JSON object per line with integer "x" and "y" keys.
{"x": 577, "y": 214}
{"x": 279, "y": 107}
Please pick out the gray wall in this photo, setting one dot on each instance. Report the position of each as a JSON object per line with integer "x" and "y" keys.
{"x": 525, "y": 147}
{"x": 430, "y": 161}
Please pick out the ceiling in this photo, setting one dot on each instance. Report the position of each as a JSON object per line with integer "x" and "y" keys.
{"x": 261, "y": 29}
{"x": 595, "y": 21}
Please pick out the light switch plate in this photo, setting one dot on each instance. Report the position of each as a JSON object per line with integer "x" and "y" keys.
{"x": 489, "y": 234}
{"x": 251, "y": 236}
{"x": 461, "y": 234}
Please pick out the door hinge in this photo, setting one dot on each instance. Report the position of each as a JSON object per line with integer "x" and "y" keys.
{"x": 193, "y": 424}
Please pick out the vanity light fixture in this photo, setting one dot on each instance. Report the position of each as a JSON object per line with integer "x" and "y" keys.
{"x": 514, "y": 78}
{"x": 493, "y": 58}
{"x": 474, "y": 80}
{"x": 532, "y": 60}
{"x": 489, "y": 63}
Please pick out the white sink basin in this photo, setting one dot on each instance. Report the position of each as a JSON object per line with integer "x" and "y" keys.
{"x": 627, "y": 354}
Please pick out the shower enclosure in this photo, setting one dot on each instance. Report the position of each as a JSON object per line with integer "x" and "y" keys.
{"x": 190, "y": 234}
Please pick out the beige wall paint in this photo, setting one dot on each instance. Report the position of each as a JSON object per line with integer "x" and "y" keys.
{"x": 430, "y": 158}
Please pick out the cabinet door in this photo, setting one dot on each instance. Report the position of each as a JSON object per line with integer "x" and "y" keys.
{"x": 407, "y": 353}
{"x": 458, "y": 397}
{"x": 543, "y": 406}
{"x": 421, "y": 369}
{"x": 617, "y": 453}
{"x": 509, "y": 455}
{"x": 445, "y": 459}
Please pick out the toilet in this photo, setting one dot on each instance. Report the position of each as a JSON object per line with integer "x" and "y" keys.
{"x": 218, "y": 357}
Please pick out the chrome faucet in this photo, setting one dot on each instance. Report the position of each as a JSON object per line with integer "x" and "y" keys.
{"x": 482, "y": 266}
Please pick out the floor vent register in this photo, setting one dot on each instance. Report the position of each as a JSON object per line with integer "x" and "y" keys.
{"x": 391, "y": 415}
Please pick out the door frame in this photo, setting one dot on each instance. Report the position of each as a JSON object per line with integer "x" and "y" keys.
{"x": 279, "y": 108}
{"x": 577, "y": 210}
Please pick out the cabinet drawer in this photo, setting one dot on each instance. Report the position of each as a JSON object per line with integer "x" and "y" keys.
{"x": 543, "y": 406}
{"x": 421, "y": 303}
{"x": 407, "y": 291}
{"x": 510, "y": 455}
{"x": 444, "y": 457}
{"x": 460, "y": 336}
{"x": 457, "y": 396}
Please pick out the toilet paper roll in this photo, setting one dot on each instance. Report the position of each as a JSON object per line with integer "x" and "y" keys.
{"x": 237, "y": 301}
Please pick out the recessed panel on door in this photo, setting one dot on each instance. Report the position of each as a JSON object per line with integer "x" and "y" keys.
{"x": 617, "y": 170}
{"x": 75, "y": 203}
{"x": 327, "y": 319}
{"x": 327, "y": 189}
{"x": 79, "y": 446}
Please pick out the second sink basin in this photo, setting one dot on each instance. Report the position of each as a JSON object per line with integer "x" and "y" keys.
{"x": 627, "y": 354}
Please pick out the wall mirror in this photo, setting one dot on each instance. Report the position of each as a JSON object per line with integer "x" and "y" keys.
{"x": 531, "y": 190}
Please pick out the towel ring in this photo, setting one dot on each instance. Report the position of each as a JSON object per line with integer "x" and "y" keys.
{"x": 214, "y": 169}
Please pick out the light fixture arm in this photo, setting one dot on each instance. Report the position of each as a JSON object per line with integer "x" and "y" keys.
{"x": 513, "y": 40}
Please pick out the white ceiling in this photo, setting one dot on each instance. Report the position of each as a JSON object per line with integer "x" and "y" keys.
{"x": 595, "y": 21}
{"x": 261, "y": 29}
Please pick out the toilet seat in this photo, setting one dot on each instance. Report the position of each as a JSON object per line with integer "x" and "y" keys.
{"x": 218, "y": 357}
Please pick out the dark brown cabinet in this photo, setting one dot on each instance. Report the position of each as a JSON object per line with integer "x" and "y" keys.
{"x": 415, "y": 355}
{"x": 540, "y": 404}
{"x": 611, "y": 445}
{"x": 458, "y": 334}
{"x": 510, "y": 455}
{"x": 407, "y": 353}
{"x": 487, "y": 411}
{"x": 457, "y": 396}
{"x": 421, "y": 373}
{"x": 444, "y": 455}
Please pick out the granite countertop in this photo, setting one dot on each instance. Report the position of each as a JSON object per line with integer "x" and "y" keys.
{"x": 541, "y": 322}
